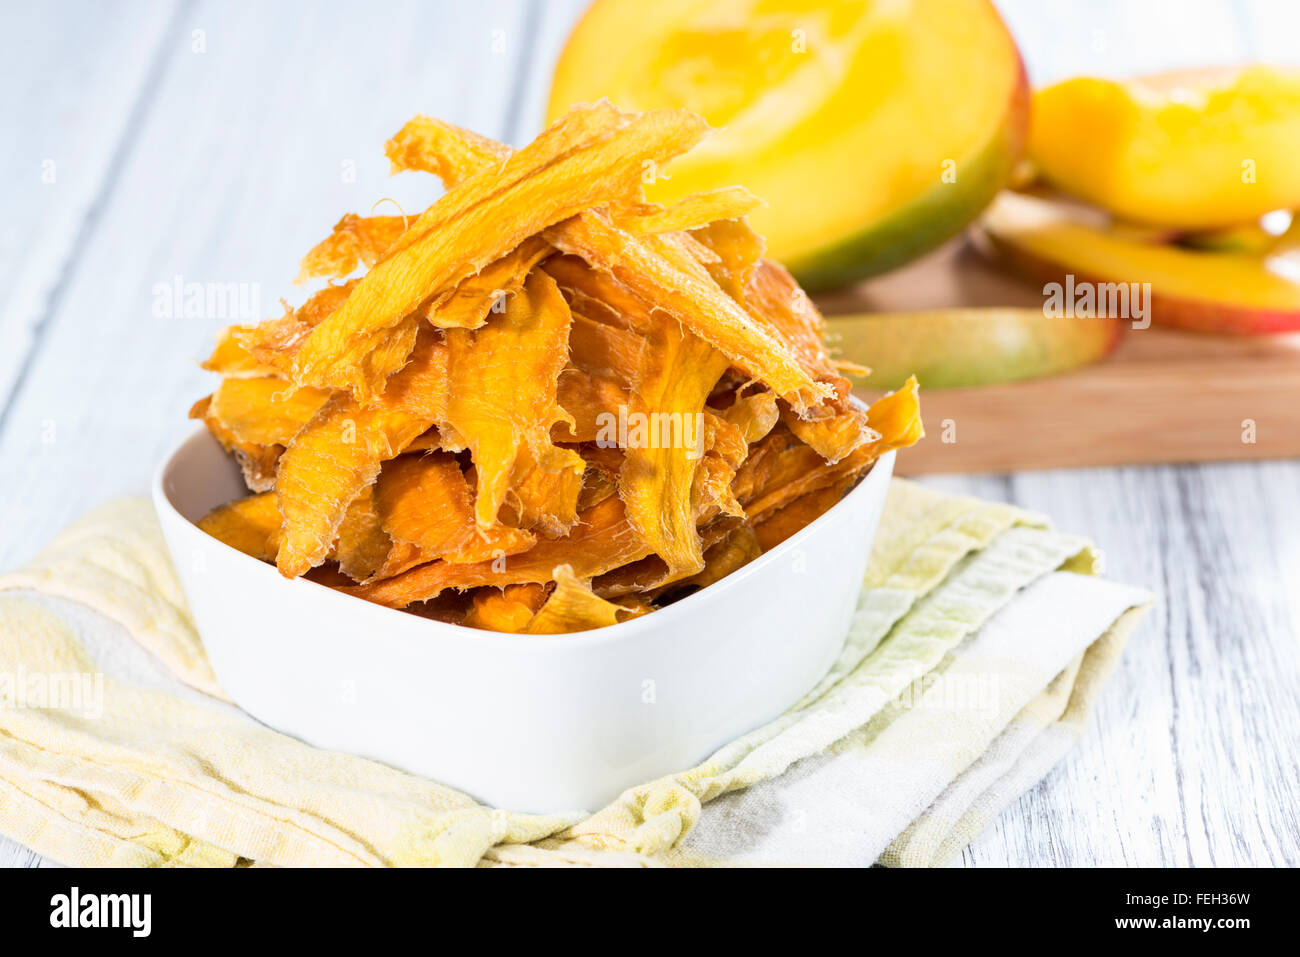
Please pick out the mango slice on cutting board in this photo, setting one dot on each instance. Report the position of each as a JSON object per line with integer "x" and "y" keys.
{"x": 1204, "y": 291}
{"x": 950, "y": 348}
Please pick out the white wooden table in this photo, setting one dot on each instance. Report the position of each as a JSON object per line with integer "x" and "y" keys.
{"x": 216, "y": 141}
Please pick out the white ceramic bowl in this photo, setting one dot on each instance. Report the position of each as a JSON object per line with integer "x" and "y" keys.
{"x": 530, "y": 723}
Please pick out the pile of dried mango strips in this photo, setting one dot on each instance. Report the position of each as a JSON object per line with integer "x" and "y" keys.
{"x": 546, "y": 405}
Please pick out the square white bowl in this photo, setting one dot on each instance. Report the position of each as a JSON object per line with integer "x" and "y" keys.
{"x": 547, "y": 723}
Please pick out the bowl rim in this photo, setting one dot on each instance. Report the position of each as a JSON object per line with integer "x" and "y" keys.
{"x": 665, "y": 617}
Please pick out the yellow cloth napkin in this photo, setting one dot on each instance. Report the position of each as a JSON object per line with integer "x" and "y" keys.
{"x": 980, "y": 641}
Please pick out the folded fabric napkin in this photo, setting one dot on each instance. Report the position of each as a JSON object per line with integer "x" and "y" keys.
{"x": 980, "y": 641}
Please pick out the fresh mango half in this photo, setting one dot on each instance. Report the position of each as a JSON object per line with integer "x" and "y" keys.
{"x": 874, "y": 130}
{"x": 1196, "y": 149}
{"x": 1204, "y": 291}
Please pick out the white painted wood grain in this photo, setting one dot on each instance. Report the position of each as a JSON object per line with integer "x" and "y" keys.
{"x": 225, "y": 165}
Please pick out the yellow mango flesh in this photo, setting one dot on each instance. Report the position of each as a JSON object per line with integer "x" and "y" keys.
{"x": 1194, "y": 150}
{"x": 872, "y": 130}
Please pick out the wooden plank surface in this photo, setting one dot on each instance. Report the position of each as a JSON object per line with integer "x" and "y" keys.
{"x": 228, "y": 163}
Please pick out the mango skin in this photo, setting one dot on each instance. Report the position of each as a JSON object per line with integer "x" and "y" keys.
{"x": 955, "y": 348}
{"x": 851, "y": 194}
{"x": 1195, "y": 150}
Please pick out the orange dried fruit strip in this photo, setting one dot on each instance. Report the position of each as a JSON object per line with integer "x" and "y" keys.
{"x": 740, "y": 547}
{"x": 503, "y": 381}
{"x": 793, "y": 517}
{"x": 602, "y": 540}
{"x": 339, "y": 453}
{"x": 649, "y": 574}
{"x": 508, "y": 609}
{"x": 545, "y": 492}
{"x": 481, "y": 167}
{"x": 257, "y": 462}
{"x": 591, "y": 404}
{"x": 486, "y": 216}
{"x": 362, "y": 546}
{"x": 251, "y": 525}
{"x": 449, "y": 152}
{"x": 666, "y": 441}
{"x": 797, "y": 470}
{"x": 599, "y": 296}
{"x": 273, "y": 343}
{"x": 692, "y": 212}
{"x": 230, "y": 358}
{"x": 492, "y": 545}
{"x": 659, "y": 270}
{"x": 468, "y": 305}
{"x": 354, "y": 240}
{"x": 573, "y": 606}
{"x": 602, "y": 349}
{"x": 424, "y": 500}
{"x": 737, "y": 249}
{"x": 774, "y": 296}
{"x": 754, "y": 415}
{"x": 264, "y": 411}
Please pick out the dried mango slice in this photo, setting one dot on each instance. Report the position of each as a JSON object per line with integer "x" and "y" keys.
{"x": 492, "y": 545}
{"x": 503, "y": 402}
{"x": 896, "y": 419}
{"x": 339, "y": 453}
{"x": 469, "y": 304}
{"x": 486, "y": 216}
{"x": 251, "y": 525}
{"x": 592, "y": 404}
{"x": 363, "y": 546}
{"x": 264, "y": 411}
{"x": 573, "y": 606}
{"x": 449, "y": 152}
{"x": 273, "y": 343}
{"x": 545, "y": 492}
{"x": 424, "y": 500}
{"x": 599, "y": 296}
{"x": 599, "y": 348}
{"x": 774, "y": 296}
{"x": 602, "y": 540}
{"x": 779, "y": 525}
{"x": 649, "y": 574}
{"x": 508, "y": 609}
{"x": 598, "y": 484}
{"x": 754, "y": 415}
{"x": 353, "y": 241}
{"x": 693, "y": 212}
{"x": 662, "y": 272}
{"x": 737, "y": 249}
{"x": 231, "y": 359}
{"x": 740, "y": 547}
{"x": 257, "y": 462}
{"x": 676, "y": 376}
{"x": 794, "y": 472}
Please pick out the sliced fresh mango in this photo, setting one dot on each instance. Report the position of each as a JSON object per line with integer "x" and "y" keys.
{"x": 1196, "y": 149}
{"x": 1190, "y": 289}
{"x": 948, "y": 348}
{"x": 874, "y": 130}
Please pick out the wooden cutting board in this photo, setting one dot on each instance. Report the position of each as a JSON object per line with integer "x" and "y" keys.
{"x": 1162, "y": 397}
